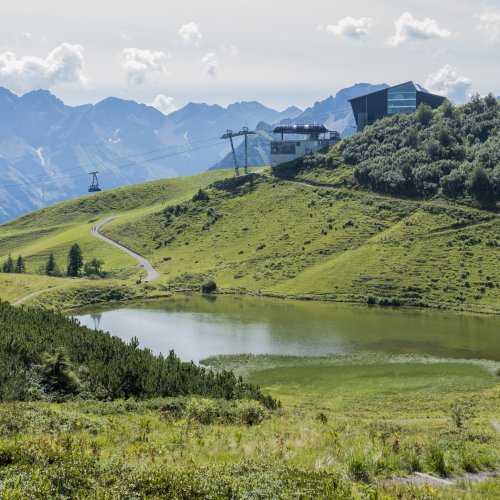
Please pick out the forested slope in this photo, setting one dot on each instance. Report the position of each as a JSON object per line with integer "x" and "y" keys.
{"x": 454, "y": 151}
{"x": 45, "y": 355}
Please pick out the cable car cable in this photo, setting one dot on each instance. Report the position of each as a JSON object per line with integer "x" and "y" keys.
{"x": 5, "y": 186}
{"x": 102, "y": 162}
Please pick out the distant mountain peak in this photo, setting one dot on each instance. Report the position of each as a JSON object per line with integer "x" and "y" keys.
{"x": 263, "y": 126}
{"x": 7, "y": 92}
{"x": 40, "y": 98}
{"x": 293, "y": 109}
{"x": 40, "y": 94}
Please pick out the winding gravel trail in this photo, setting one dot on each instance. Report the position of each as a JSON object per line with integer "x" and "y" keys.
{"x": 152, "y": 274}
{"x": 35, "y": 294}
{"x": 495, "y": 424}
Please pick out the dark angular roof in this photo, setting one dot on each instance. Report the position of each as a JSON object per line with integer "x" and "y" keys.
{"x": 418, "y": 88}
{"x": 300, "y": 129}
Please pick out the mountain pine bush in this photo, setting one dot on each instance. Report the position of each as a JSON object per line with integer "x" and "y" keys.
{"x": 45, "y": 355}
{"x": 454, "y": 151}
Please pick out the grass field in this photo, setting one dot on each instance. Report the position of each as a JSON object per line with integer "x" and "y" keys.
{"x": 371, "y": 384}
{"x": 55, "y": 228}
{"x": 350, "y": 428}
{"x": 280, "y": 237}
{"x": 284, "y": 238}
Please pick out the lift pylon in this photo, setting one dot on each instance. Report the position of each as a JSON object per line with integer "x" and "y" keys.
{"x": 94, "y": 187}
{"x": 230, "y": 135}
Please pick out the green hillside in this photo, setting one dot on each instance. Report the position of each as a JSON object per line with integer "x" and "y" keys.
{"x": 55, "y": 228}
{"x": 309, "y": 229}
{"x": 84, "y": 415}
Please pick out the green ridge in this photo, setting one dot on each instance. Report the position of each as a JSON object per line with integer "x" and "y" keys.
{"x": 309, "y": 229}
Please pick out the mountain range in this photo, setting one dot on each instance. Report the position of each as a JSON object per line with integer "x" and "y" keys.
{"x": 47, "y": 148}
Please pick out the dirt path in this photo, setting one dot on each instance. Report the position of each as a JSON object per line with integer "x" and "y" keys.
{"x": 35, "y": 294}
{"x": 152, "y": 274}
{"x": 420, "y": 478}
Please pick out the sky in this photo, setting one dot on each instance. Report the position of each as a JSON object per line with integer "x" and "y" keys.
{"x": 279, "y": 52}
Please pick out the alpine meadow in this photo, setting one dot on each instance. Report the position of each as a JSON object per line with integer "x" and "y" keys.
{"x": 243, "y": 300}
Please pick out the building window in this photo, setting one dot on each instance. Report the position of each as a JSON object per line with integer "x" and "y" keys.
{"x": 401, "y": 99}
{"x": 283, "y": 148}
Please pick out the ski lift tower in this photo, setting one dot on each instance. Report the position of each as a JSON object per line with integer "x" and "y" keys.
{"x": 230, "y": 135}
{"x": 94, "y": 187}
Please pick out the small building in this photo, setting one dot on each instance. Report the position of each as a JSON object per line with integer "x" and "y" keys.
{"x": 404, "y": 98}
{"x": 317, "y": 137}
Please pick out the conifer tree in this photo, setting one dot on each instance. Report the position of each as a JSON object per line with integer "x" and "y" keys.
{"x": 20, "y": 267}
{"x": 479, "y": 186}
{"x": 51, "y": 266}
{"x": 8, "y": 266}
{"x": 94, "y": 268}
{"x": 75, "y": 260}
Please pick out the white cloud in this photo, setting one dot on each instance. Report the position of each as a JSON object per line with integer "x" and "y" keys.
{"x": 449, "y": 83}
{"x": 229, "y": 50}
{"x": 355, "y": 29}
{"x": 27, "y": 36}
{"x": 490, "y": 24}
{"x": 190, "y": 33}
{"x": 211, "y": 64}
{"x": 139, "y": 64}
{"x": 164, "y": 104}
{"x": 124, "y": 36}
{"x": 408, "y": 28}
{"x": 65, "y": 64}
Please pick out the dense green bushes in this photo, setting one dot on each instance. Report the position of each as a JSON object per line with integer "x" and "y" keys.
{"x": 455, "y": 151}
{"x": 209, "y": 286}
{"x": 46, "y": 355}
{"x": 64, "y": 475}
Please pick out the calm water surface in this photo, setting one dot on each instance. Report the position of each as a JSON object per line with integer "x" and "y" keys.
{"x": 197, "y": 327}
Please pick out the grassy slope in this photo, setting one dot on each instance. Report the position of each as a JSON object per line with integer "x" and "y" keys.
{"x": 55, "y": 228}
{"x": 284, "y": 238}
{"x": 355, "y": 443}
{"x": 334, "y": 421}
{"x": 427, "y": 253}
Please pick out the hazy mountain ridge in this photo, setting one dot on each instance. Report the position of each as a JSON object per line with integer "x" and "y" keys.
{"x": 335, "y": 112}
{"x": 41, "y": 137}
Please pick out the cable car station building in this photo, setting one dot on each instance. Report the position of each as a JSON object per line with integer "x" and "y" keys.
{"x": 404, "y": 98}
{"x": 317, "y": 137}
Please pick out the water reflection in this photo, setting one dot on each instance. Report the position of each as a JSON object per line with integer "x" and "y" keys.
{"x": 196, "y": 327}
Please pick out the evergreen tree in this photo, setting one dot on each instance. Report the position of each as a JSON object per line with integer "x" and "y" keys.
{"x": 424, "y": 114}
{"x": 75, "y": 260}
{"x": 8, "y": 266}
{"x": 94, "y": 268}
{"x": 479, "y": 186}
{"x": 51, "y": 266}
{"x": 20, "y": 267}
{"x": 58, "y": 372}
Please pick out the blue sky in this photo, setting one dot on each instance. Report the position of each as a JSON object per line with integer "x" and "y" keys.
{"x": 280, "y": 52}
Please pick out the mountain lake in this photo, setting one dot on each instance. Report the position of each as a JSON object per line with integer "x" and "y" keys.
{"x": 197, "y": 326}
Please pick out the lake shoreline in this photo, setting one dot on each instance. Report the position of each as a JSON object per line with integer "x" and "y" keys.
{"x": 285, "y": 298}
{"x": 198, "y": 326}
